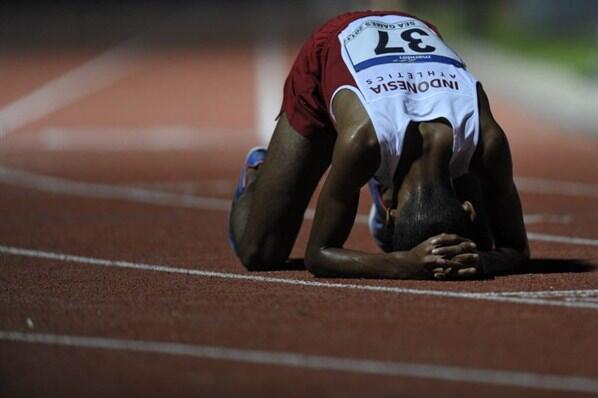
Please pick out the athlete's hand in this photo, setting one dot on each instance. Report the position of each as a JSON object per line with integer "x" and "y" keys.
{"x": 445, "y": 256}
{"x": 460, "y": 250}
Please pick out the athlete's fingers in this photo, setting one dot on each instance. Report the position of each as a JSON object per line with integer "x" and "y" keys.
{"x": 461, "y": 272}
{"x": 471, "y": 259}
{"x": 454, "y": 250}
{"x": 443, "y": 268}
{"x": 446, "y": 239}
{"x": 439, "y": 275}
{"x": 447, "y": 266}
{"x": 442, "y": 273}
{"x": 467, "y": 271}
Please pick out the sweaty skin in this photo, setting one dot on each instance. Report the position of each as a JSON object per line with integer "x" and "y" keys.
{"x": 356, "y": 157}
{"x": 493, "y": 166}
{"x": 266, "y": 219}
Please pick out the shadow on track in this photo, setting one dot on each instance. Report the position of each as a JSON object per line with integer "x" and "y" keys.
{"x": 534, "y": 266}
{"x": 556, "y": 266}
{"x": 293, "y": 264}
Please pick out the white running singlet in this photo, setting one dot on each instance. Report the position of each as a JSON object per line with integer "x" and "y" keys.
{"x": 405, "y": 72}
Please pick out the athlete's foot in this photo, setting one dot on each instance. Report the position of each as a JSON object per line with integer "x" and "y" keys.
{"x": 251, "y": 175}
{"x": 253, "y": 161}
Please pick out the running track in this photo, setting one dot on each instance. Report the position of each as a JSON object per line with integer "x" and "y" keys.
{"x": 116, "y": 278}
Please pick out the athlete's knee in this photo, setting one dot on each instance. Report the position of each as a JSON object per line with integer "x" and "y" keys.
{"x": 256, "y": 258}
{"x": 250, "y": 258}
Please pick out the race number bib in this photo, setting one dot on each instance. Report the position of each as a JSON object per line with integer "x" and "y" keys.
{"x": 372, "y": 41}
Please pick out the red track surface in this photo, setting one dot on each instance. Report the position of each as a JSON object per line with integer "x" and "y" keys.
{"x": 75, "y": 299}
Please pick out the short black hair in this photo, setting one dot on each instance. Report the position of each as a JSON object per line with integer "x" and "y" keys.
{"x": 431, "y": 209}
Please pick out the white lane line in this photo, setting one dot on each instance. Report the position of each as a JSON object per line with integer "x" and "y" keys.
{"x": 552, "y": 382}
{"x": 562, "y": 239}
{"x": 190, "y": 187}
{"x": 105, "y": 191}
{"x": 75, "y": 84}
{"x": 488, "y": 296}
{"x": 546, "y": 219}
{"x": 553, "y": 293}
{"x": 540, "y": 185}
{"x": 270, "y": 74}
{"x": 94, "y": 190}
{"x": 127, "y": 138}
{"x": 121, "y": 139}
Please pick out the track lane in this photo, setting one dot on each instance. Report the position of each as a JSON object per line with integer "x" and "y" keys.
{"x": 123, "y": 303}
{"x": 79, "y": 300}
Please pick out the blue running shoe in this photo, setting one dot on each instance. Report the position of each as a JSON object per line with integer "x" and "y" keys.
{"x": 255, "y": 157}
{"x": 381, "y": 232}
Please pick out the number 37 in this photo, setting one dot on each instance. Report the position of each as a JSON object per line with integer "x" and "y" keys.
{"x": 414, "y": 43}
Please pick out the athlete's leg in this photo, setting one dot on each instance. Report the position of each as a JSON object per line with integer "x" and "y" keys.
{"x": 379, "y": 223}
{"x": 265, "y": 219}
{"x": 468, "y": 187}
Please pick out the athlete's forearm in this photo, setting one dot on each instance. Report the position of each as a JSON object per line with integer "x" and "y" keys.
{"x": 338, "y": 262}
{"x": 502, "y": 261}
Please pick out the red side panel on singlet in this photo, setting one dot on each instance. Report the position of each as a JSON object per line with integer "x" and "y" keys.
{"x": 317, "y": 72}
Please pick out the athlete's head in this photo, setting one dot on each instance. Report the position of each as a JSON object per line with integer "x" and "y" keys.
{"x": 429, "y": 210}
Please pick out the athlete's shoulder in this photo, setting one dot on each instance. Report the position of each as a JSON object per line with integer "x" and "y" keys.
{"x": 356, "y": 135}
{"x": 349, "y": 113}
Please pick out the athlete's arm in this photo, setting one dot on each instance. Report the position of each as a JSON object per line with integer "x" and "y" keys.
{"x": 355, "y": 159}
{"x": 354, "y": 162}
{"x": 502, "y": 199}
